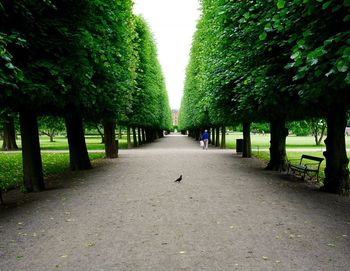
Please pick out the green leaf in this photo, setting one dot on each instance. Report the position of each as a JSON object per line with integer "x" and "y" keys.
{"x": 342, "y": 66}
{"x": 347, "y": 3}
{"x": 329, "y": 41}
{"x": 346, "y": 18}
{"x": 318, "y": 73}
{"x": 307, "y": 33}
{"x": 346, "y": 54}
{"x": 296, "y": 55}
{"x": 263, "y": 36}
{"x": 268, "y": 27}
{"x": 10, "y": 66}
{"x": 326, "y": 5}
{"x": 281, "y": 4}
{"x": 301, "y": 43}
{"x": 347, "y": 78}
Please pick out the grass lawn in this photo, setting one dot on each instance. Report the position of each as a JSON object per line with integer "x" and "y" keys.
{"x": 53, "y": 163}
{"x": 263, "y": 141}
{"x": 265, "y": 156}
{"x": 61, "y": 143}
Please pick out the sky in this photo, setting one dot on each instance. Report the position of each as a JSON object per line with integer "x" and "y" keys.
{"x": 173, "y": 23}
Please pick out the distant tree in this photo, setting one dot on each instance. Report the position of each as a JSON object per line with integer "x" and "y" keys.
{"x": 51, "y": 126}
{"x": 319, "y": 129}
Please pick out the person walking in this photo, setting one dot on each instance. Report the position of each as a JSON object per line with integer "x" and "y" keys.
{"x": 205, "y": 138}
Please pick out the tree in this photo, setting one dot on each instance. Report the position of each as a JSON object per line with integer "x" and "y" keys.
{"x": 150, "y": 106}
{"x": 50, "y": 126}
{"x": 318, "y": 127}
{"x": 9, "y": 136}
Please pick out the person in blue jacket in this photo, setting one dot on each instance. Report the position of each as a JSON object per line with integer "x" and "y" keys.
{"x": 205, "y": 138}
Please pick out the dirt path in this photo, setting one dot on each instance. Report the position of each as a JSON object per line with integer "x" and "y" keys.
{"x": 128, "y": 214}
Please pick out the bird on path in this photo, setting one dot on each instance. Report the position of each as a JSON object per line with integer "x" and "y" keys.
{"x": 178, "y": 179}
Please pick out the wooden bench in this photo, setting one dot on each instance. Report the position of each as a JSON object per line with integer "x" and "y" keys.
{"x": 305, "y": 168}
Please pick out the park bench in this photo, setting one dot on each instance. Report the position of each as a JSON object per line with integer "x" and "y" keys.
{"x": 305, "y": 167}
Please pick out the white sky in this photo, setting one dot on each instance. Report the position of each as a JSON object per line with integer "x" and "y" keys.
{"x": 173, "y": 23}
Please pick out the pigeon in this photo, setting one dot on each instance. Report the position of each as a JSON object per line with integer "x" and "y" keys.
{"x": 178, "y": 179}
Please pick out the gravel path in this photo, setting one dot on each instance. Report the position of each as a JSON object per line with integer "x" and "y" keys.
{"x": 128, "y": 214}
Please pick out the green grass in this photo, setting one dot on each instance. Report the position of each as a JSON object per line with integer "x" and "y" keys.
{"x": 61, "y": 143}
{"x": 263, "y": 141}
{"x": 265, "y": 156}
{"x": 53, "y": 163}
{"x": 92, "y": 143}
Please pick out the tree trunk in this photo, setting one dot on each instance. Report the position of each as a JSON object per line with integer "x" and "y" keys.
{"x": 9, "y": 143}
{"x": 247, "y": 146}
{"x": 51, "y": 137}
{"x": 323, "y": 128}
{"x": 197, "y": 135}
{"x": 148, "y": 140}
{"x": 278, "y": 157}
{"x": 32, "y": 165}
{"x": 111, "y": 147}
{"x": 217, "y": 137}
{"x": 153, "y": 136}
{"x": 134, "y": 137}
{"x": 223, "y": 137}
{"x": 139, "y": 135}
{"x": 213, "y": 136}
{"x": 79, "y": 157}
{"x": 337, "y": 172}
{"x": 120, "y": 132}
{"x": 128, "y": 137}
{"x": 101, "y": 134}
{"x": 143, "y": 136}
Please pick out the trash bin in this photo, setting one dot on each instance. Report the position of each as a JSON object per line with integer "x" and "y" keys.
{"x": 239, "y": 145}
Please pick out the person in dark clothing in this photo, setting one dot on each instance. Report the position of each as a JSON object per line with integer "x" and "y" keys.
{"x": 205, "y": 138}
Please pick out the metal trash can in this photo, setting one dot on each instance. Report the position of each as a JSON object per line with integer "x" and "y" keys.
{"x": 239, "y": 145}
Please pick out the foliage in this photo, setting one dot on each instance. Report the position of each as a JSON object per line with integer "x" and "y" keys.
{"x": 51, "y": 126}
{"x": 253, "y": 61}
{"x": 300, "y": 128}
{"x": 150, "y": 106}
{"x": 77, "y": 57}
